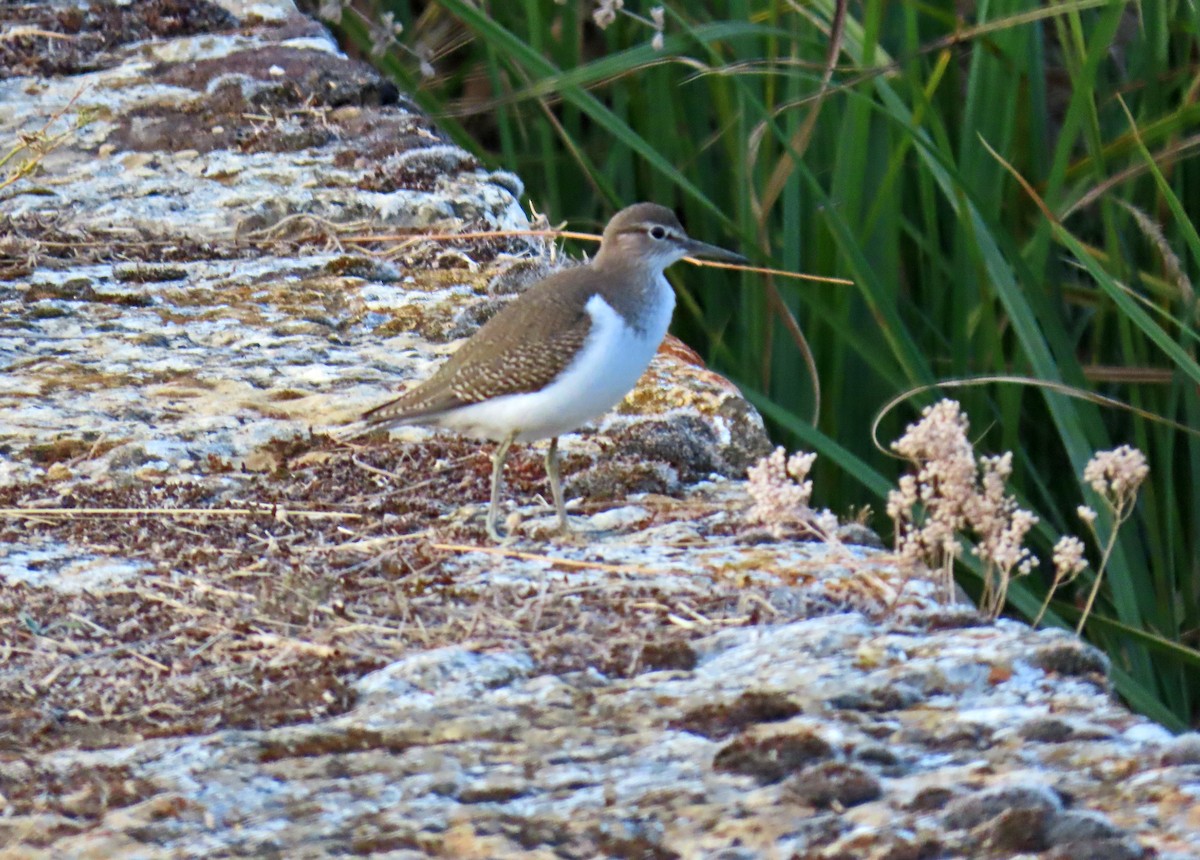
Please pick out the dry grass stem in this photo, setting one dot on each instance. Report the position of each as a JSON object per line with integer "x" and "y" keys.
{"x": 272, "y": 512}
{"x": 37, "y": 145}
{"x": 408, "y": 240}
{"x": 531, "y": 556}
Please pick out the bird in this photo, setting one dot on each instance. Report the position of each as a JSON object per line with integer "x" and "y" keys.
{"x": 563, "y": 353}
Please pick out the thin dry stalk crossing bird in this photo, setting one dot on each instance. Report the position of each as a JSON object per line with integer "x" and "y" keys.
{"x": 562, "y": 354}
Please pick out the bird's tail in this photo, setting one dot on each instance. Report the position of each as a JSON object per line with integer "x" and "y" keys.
{"x": 393, "y": 413}
{"x": 401, "y": 410}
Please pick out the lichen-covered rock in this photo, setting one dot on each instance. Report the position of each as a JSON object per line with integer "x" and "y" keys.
{"x": 182, "y": 264}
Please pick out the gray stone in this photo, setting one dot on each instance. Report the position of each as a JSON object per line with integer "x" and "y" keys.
{"x": 982, "y": 806}
{"x": 1080, "y": 826}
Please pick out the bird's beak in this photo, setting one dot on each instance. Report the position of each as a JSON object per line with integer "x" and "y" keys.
{"x": 703, "y": 249}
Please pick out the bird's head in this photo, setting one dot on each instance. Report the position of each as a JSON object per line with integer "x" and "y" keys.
{"x": 651, "y": 235}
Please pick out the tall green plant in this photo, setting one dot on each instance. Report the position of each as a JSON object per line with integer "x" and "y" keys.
{"x": 1007, "y": 182}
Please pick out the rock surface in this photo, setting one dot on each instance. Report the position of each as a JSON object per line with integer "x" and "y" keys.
{"x": 229, "y": 630}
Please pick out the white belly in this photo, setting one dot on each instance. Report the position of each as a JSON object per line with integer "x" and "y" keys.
{"x": 608, "y": 366}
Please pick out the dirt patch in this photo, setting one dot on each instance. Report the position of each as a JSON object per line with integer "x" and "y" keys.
{"x": 723, "y": 719}
{"x": 294, "y": 76}
{"x": 769, "y": 759}
{"x": 378, "y": 135}
{"x": 81, "y": 290}
{"x": 273, "y": 99}
{"x": 268, "y": 119}
{"x": 68, "y": 449}
{"x": 418, "y": 169}
{"x": 76, "y": 798}
{"x": 53, "y": 40}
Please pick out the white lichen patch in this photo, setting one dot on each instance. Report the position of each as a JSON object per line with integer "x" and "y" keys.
{"x": 50, "y": 564}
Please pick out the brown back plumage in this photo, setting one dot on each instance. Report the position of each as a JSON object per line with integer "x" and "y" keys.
{"x": 515, "y": 352}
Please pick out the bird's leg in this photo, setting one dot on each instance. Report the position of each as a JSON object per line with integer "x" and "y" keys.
{"x": 497, "y": 479}
{"x": 555, "y": 478}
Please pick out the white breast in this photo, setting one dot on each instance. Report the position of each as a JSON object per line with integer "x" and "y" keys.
{"x": 608, "y": 366}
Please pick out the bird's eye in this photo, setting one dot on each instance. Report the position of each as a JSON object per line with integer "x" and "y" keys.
{"x": 658, "y": 232}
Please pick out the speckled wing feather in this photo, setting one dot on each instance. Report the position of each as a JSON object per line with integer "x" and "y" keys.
{"x": 519, "y": 350}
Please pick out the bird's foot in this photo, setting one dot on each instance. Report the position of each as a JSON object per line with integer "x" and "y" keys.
{"x": 555, "y": 531}
{"x": 511, "y": 524}
{"x": 559, "y": 529}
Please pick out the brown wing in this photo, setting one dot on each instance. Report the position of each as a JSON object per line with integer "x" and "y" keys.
{"x": 521, "y": 349}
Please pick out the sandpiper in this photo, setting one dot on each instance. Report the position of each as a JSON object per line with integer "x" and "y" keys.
{"x": 565, "y": 352}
